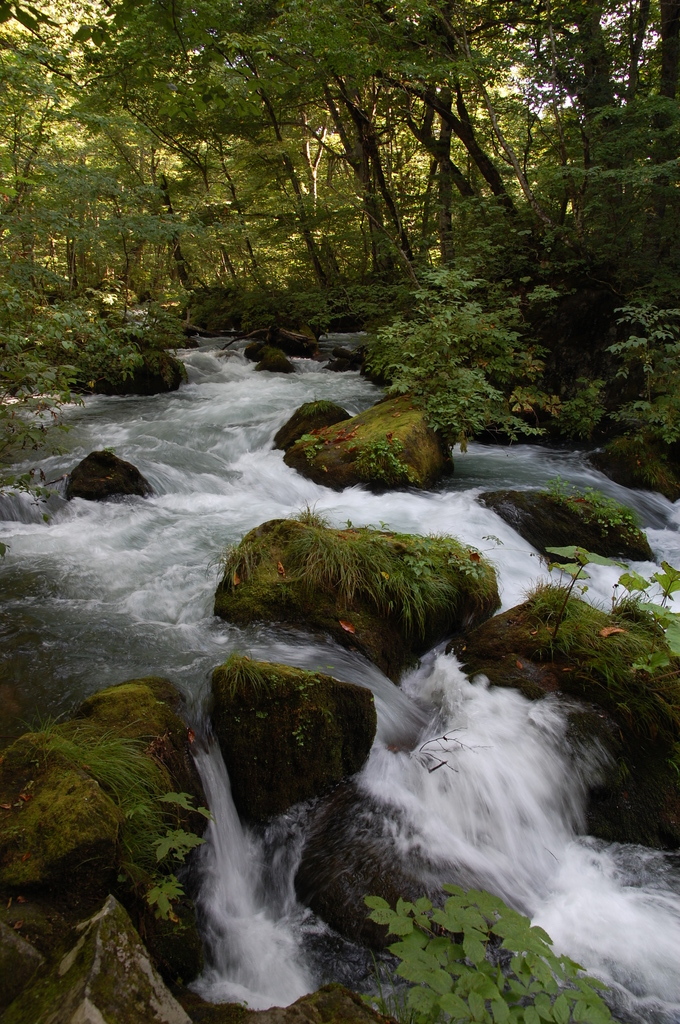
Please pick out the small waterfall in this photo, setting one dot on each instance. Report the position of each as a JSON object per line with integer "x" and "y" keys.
{"x": 254, "y": 957}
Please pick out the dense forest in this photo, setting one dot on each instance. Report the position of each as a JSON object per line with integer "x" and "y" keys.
{"x": 491, "y": 189}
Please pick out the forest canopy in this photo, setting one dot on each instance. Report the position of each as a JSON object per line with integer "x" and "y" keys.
{"x": 242, "y": 162}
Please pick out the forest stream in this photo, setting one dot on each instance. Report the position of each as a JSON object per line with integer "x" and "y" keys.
{"x": 103, "y": 592}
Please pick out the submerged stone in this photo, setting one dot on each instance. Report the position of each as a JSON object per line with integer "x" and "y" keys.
{"x": 287, "y": 735}
{"x": 387, "y": 446}
{"x": 308, "y": 417}
{"x": 389, "y": 596}
{"x": 103, "y": 475}
{"x": 106, "y": 978}
{"x": 546, "y": 520}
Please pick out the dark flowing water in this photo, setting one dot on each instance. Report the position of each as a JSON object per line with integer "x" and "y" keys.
{"x": 105, "y": 592}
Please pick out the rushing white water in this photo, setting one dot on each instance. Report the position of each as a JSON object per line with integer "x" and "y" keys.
{"x": 105, "y": 592}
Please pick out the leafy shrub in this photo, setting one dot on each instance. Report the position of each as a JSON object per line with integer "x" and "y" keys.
{"x": 476, "y": 959}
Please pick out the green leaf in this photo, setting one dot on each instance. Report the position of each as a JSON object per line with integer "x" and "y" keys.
{"x": 454, "y": 1006}
{"x": 561, "y": 1012}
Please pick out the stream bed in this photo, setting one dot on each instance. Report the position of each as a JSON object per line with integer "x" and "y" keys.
{"x": 99, "y": 593}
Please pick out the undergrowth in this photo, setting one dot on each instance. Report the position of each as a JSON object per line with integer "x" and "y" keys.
{"x": 409, "y": 577}
{"x": 242, "y": 674}
{"x": 593, "y": 506}
{"x": 605, "y": 646}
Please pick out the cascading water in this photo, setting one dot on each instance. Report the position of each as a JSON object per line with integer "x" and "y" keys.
{"x": 105, "y": 592}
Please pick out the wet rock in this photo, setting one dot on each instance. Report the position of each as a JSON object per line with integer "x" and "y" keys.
{"x": 346, "y": 359}
{"x": 19, "y": 962}
{"x": 274, "y": 361}
{"x": 252, "y": 351}
{"x": 350, "y": 852}
{"x": 357, "y": 586}
{"x": 292, "y": 343}
{"x": 61, "y": 830}
{"x": 545, "y": 520}
{"x": 387, "y": 446}
{"x": 287, "y": 735}
{"x": 159, "y": 374}
{"x": 635, "y": 463}
{"x": 106, "y": 978}
{"x": 175, "y": 946}
{"x": 103, "y": 475}
{"x": 308, "y": 417}
{"x": 331, "y": 1004}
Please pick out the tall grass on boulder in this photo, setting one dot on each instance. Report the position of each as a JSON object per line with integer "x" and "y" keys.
{"x": 390, "y": 596}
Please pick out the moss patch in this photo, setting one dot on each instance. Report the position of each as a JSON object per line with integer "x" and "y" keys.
{"x": 390, "y": 596}
{"x": 585, "y": 518}
{"x": 388, "y": 445}
{"x": 286, "y": 734}
{"x": 159, "y": 373}
{"x": 308, "y": 417}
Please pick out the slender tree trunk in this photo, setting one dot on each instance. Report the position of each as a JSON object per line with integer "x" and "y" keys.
{"x": 175, "y": 246}
{"x": 670, "y": 47}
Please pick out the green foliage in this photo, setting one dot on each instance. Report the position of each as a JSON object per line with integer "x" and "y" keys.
{"x": 379, "y": 460}
{"x": 575, "y": 568}
{"x": 476, "y": 959}
{"x": 461, "y": 357}
{"x": 580, "y": 415}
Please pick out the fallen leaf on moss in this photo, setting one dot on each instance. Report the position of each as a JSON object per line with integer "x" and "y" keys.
{"x": 519, "y": 664}
{"x": 279, "y": 568}
{"x": 25, "y": 857}
{"x": 236, "y": 579}
{"x": 347, "y": 626}
{"x": 610, "y": 630}
{"x": 191, "y": 735}
{"x": 17, "y": 925}
{"x": 475, "y": 556}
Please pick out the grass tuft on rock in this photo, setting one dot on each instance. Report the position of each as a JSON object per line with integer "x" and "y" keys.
{"x": 387, "y": 594}
{"x": 603, "y": 646}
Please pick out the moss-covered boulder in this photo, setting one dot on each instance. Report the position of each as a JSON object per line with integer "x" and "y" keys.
{"x": 587, "y": 519}
{"x": 150, "y": 710}
{"x": 349, "y": 852}
{"x": 274, "y": 361}
{"x": 159, "y": 373}
{"x": 103, "y": 475}
{"x": 389, "y": 596}
{"x": 632, "y": 714}
{"x": 308, "y": 417}
{"x": 58, "y": 827}
{"x": 634, "y": 462}
{"x": 286, "y": 734}
{"x": 388, "y": 445}
{"x": 106, "y": 977}
{"x": 291, "y": 343}
{"x": 19, "y": 962}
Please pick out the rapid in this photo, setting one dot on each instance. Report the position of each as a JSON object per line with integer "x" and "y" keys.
{"x": 97, "y": 593}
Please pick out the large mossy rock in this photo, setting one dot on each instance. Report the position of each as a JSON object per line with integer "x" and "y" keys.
{"x": 274, "y": 361}
{"x": 636, "y": 720}
{"x": 103, "y": 475}
{"x": 286, "y": 734}
{"x": 635, "y": 463}
{"x": 58, "y": 828}
{"x": 389, "y": 596}
{"x": 308, "y": 417}
{"x": 159, "y": 373}
{"x": 106, "y": 978}
{"x": 291, "y": 343}
{"x": 19, "y": 961}
{"x": 388, "y": 445}
{"x": 545, "y": 520}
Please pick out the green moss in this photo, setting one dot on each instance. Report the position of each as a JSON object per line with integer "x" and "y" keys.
{"x": 286, "y": 734}
{"x": 310, "y": 416}
{"x": 387, "y": 445}
{"x": 388, "y": 595}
